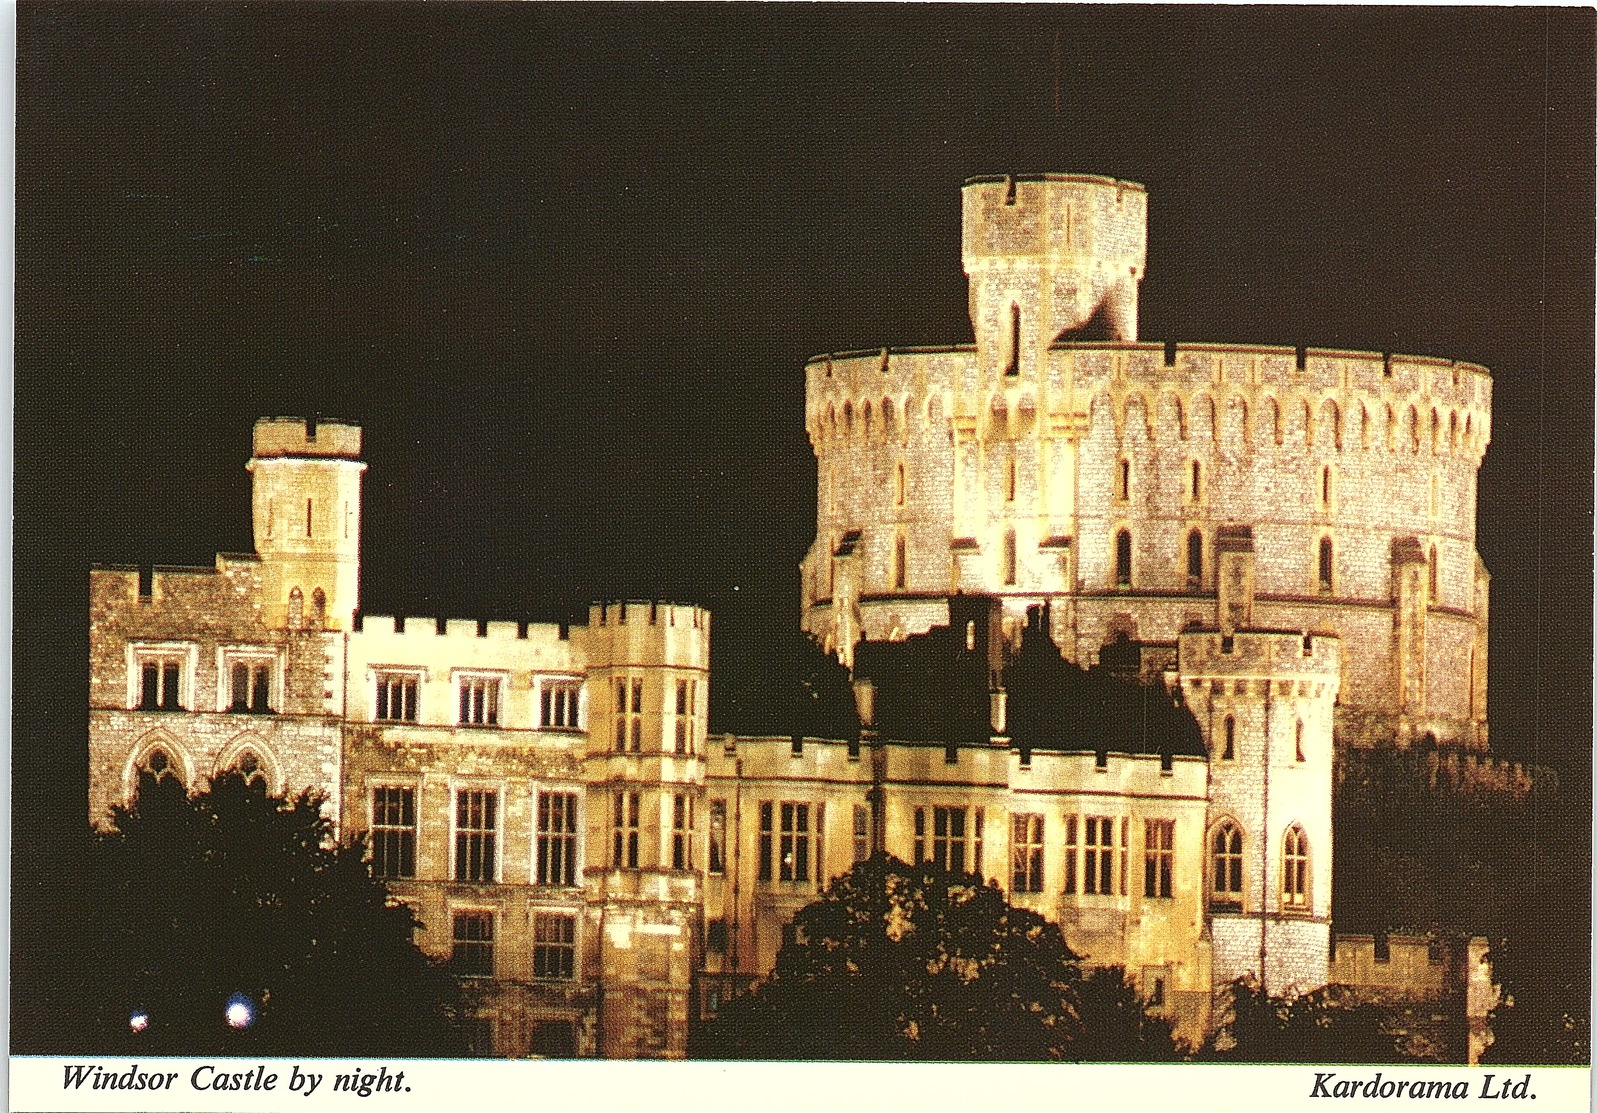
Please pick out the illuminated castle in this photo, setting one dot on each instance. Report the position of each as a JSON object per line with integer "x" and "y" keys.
{"x": 1278, "y": 544}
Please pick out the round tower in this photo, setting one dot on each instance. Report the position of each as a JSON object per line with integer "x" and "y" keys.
{"x": 1264, "y": 701}
{"x": 306, "y": 502}
{"x": 1044, "y": 254}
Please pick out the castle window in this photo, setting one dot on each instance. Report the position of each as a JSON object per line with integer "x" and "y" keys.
{"x": 1196, "y": 485}
{"x": 554, "y": 946}
{"x": 557, "y": 838}
{"x": 1295, "y": 869}
{"x": 158, "y": 764}
{"x": 393, "y": 832}
{"x": 1009, "y": 480}
{"x": 970, "y": 635}
{"x": 318, "y": 607}
{"x": 1195, "y": 561}
{"x": 1435, "y": 574}
{"x": 717, "y": 863}
{"x": 948, "y": 837}
{"x": 1097, "y": 875}
{"x": 476, "y": 835}
{"x": 1009, "y": 569}
{"x": 1014, "y": 341}
{"x": 681, "y": 831}
{"x": 1159, "y": 857}
{"x": 1297, "y": 742}
{"x": 479, "y": 701}
{"x": 862, "y": 832}
{"x": 1123, "y": 558}
{"x": 1025, "y": 853}
{"x": 1325, "y": 565}
{"x": 251, "y": 686}
{"x": 1070, "y": 855}
{"x": 397, "y": 696}
{"x": 1123, "y": 481}
{"x": 687, "y": 693}
{"x": 629, "y": 714}
{"x": 296, "y": 608}
{"x": 1325, "y": 487}
{"x": 559, "y": 704}
{"x": 900, "y": 561}
{"x": 308, "y": 505}
{"x": 898, "y": 484}
{"x": 624, "y": 831}
{"x": 1230, "y": 751}
{"x": 767, "y": 840}
{"x": 160, "y": 683}
{"x": 794, "y": 847}
{"x": 472, "y": 951}
{"x": 1225, "y": 866}
{"x": 715, "y": 936}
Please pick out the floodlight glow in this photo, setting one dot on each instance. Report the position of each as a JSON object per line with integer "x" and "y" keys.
{"x": 240, "y": 1013}
{"x": 139, "y": 1020}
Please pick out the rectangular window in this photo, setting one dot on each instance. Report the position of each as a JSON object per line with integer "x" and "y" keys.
{"x": 476, "y": 827}
{"x": 624, "y": 832}
{"x": 629, "y": 714}
{"x": 251, "y": 687}
{"x": 717, "y": 863}
{"x": 479, "y": 701}
{"x": 557, "y": 838}
{"x": 1097, "y": 875}
{"x": 1159, "y": 857}
{"x": 394, "y": 832}
{"x": 554, "y": 946}
{"x": 795, "y": 843}
{"x": 1125, "y": 852}
{"x": 1070, "y": 855}
{"x": 948, "y": 838}
{"x": 715, "y": 936}
{"x": 681, "y": 831}
{"x": 920, "y": 835}
{"x": 160, "y": 683}
{"x": 558, "y": 704}
{"x": 767, "y": 840}
{"x": 1025, "y": 851}
{"x": 862, "y": 832}
{"x": 396, "y": 697}
{"x": 687, "y": 697}
{"x": 473, "y": 952}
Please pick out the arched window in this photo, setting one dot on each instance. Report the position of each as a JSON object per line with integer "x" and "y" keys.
{"x": 1195, "y": 561}
{"x": 1325, "y": 487}
{"x": 249, "y": 767}
{"x": 162, "y": 768}
{"x": 1225, "y": 866}
{"x": 1196, "y": 487}
{"x": 1294, "y": 868}
{"x": 848, "y": 419}
{"x": 1297, "y": 742}
{"x": 318, "y": 607}
{"x": 1009, "y": 480}
{"x": 1326, "y": 562}
{"x": 865, "y": 421}
{"x": 887, "y": 417}
{"x": 1014, "y": 340}
{"x": 898, "y": 484}
{"x": 1123, "y": 480}
{"x": 1229, "y": 753}
{"x": 296, "y": 607}
{"x": 1009, "y": 557}
{"x": 1123, "y": 558}
{"x": 899, "y": 570}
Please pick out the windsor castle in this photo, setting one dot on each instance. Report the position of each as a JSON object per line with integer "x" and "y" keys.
{"x": 1110, "y": 611}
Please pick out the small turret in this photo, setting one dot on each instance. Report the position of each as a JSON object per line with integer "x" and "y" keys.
{"x": 1044, "y": 255}
{"x": 306, "y": 501}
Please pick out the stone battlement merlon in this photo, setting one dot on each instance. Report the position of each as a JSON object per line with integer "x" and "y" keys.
{"x": 650, "y": 612}
{"x": 432, "y": 627}
{"x": 1261, "y": 655}
{"x": 298, "y": 436}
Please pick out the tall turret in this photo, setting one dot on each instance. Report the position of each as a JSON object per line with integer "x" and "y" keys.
{"x": 1044, "y": 254}
{"x": 306, "y": 500}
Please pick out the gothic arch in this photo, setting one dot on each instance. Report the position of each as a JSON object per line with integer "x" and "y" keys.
{"x": 1172, "y": 415}
{"x": 887, "y": 418}
{"x": 1238, "y": 429}
{"x": 1136, "y": 408}
{"x": 865, "y": 420}
{"x": 1203, "y": 416}
{"x": 934, "y": 410}
{"x": 233, "y": 756}
{"x": 1271, "y": 414}
{"x": 139, "y": 754}
{"x": 1331, "y": 423}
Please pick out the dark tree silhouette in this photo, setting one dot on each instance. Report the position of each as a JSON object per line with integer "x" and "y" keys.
{"x": 233, "y": 892}
{"x": 899, "y": 962}
{"x": 1314, "y": 1027}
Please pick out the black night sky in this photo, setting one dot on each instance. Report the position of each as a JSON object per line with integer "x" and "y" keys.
{"x": 565, "y": 263}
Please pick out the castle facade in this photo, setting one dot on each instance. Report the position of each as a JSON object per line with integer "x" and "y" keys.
{"x": 1282, "y": 542}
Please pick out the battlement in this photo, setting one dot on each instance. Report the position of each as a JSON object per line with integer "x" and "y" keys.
{"x": 648, "y": 613}
{"x": 1365, "y": 400}
{"x": 462, "y": 629}
{"x": 296, "y": 436}
{"x": 1270, "y": 655}
{"x": 1061, "y": 218}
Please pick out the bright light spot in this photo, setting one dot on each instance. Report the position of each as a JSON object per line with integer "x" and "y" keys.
{"x": 139, "y": 1020}
{"x": 239, "y": 1013}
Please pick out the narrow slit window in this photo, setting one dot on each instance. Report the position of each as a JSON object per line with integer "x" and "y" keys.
{"x": 1123, "y": 558}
